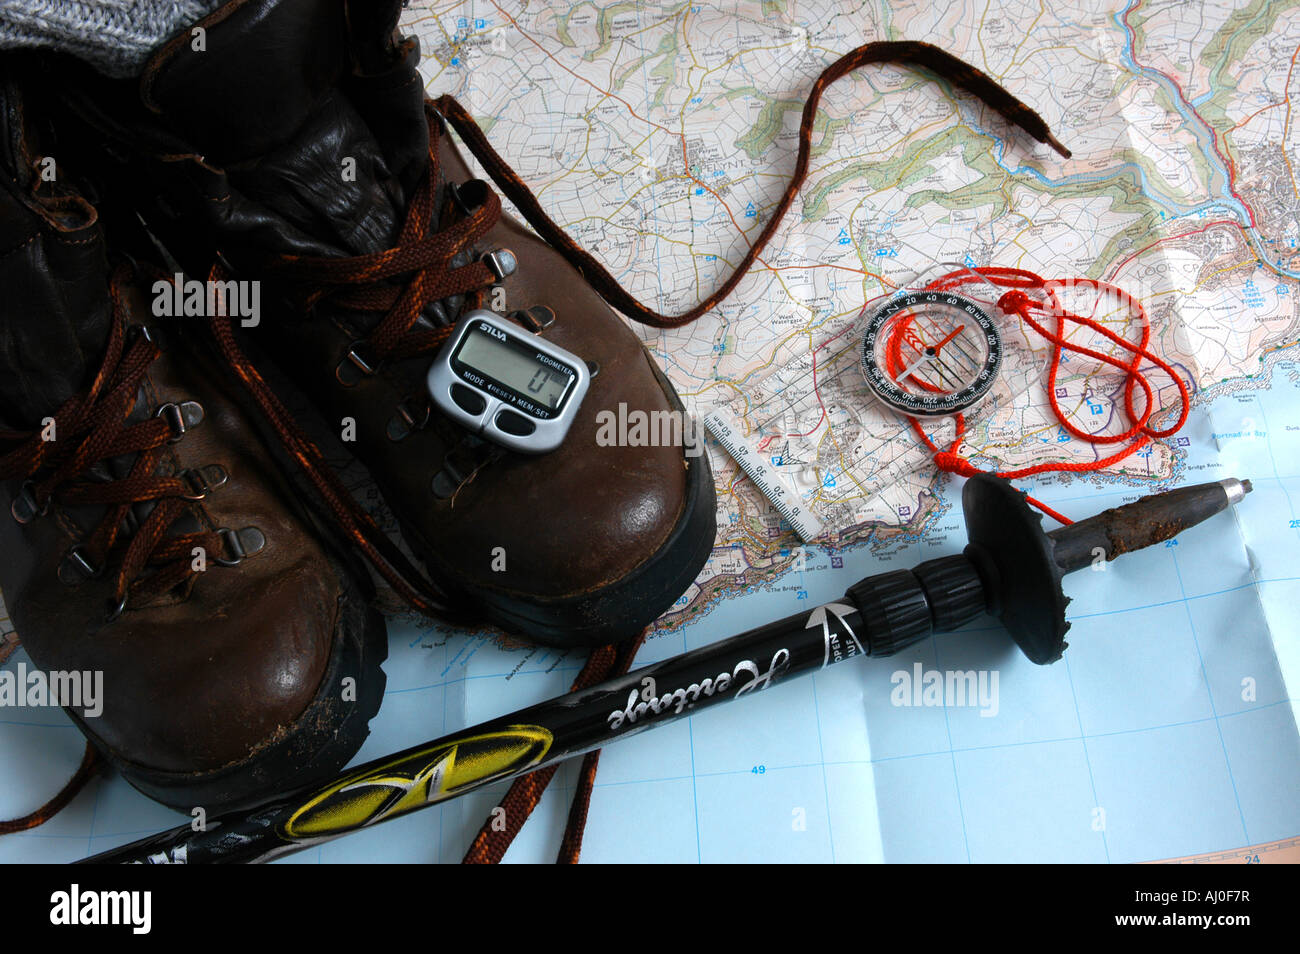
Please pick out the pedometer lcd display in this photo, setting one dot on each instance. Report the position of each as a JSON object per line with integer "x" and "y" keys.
{"x": 514, "y": 368}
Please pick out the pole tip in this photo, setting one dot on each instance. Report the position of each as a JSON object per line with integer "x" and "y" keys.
{"x": 1235, "y": 489}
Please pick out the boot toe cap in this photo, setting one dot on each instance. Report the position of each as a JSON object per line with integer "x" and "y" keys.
{"x": 202, "y": 684}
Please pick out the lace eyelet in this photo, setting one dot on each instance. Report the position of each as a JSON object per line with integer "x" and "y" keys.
{"x": 468, "y": 196}
{"x": 75, "y": 567}
{"x": 115, "y": 610}
{"x": 358, "y": 359}
{"x": 181, "y": 417}
{"x": 407, "y": 419}
{"x": 536, "y": 319}
{"x": 24, "y": 509}
{"x": 241, "y": 544}
{"x": 135, "y": 332}
{"x": 502, "y": 262}
{"x": 202, "y": 480}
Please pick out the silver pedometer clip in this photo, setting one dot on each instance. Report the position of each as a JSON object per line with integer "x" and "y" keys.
{"x": 506, "y": 385}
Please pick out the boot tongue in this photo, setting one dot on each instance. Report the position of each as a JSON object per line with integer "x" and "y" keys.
{"x": 242, "y": 81}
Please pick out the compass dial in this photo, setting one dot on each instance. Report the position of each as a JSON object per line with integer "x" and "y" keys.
{"x": 931, "y": 354}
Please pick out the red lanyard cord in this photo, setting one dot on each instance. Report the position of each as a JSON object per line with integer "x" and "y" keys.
{"x": 1017, "y": 302}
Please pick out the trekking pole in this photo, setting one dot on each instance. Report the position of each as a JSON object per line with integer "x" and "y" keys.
{"x": 1011, "y": 568}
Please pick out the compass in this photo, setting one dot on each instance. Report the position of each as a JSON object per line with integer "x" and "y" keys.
{"x": 931, "y": 353}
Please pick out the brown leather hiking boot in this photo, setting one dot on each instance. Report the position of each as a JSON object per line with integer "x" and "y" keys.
{"x": 148, "y": 533}
{"x": 319, "y": 169}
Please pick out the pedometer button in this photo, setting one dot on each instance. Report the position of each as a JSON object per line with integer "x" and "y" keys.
{"x": 470, "y": 401}
{"x": 515, "y": 424}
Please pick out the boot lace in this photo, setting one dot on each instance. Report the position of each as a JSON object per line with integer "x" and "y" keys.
{"x": 423, "y": 252}
{"x": 93, "y": 428}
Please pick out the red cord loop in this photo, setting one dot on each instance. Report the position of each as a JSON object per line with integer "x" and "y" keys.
{"x": 1017, "y": 302}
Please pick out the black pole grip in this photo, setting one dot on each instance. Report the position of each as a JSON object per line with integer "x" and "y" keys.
{"x": 905, "y": 606}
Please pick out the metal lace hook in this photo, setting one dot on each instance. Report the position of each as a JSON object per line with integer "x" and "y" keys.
{"x": 116, "y": 610}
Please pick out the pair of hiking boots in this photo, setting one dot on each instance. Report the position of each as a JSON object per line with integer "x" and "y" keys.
{"x": 169, "y": 525}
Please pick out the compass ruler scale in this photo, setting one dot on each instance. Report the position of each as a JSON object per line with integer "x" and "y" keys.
{"x": 732, "y": 438}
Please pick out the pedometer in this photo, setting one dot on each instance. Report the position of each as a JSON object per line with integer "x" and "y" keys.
{"x": 507, "y": 385}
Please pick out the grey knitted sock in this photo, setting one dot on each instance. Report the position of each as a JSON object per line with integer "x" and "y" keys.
{"x": 114, "y": 36}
